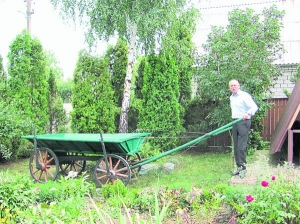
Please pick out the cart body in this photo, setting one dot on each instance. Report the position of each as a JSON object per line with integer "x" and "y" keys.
{"x": 120, "y": 144}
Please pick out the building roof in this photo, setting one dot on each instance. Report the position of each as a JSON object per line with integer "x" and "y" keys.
{"x": 287, "y": 120}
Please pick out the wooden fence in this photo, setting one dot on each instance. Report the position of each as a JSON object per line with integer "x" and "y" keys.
{"x": 273, "y": 116}
{"x": 269, "y": 123}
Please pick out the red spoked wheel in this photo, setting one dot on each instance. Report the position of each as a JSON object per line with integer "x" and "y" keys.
{"x": 132, "y": 160}
{"x": 116, "y": 168}
{"x": 45, "y": 166}
{"x": 73, "y": 165}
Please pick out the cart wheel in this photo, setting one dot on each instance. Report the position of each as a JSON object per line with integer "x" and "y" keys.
{"x": 118, "y": 168}
{"x": 74, "y": 165}
{"x": 132, "y": 160}
{"x": 47, "y": 169}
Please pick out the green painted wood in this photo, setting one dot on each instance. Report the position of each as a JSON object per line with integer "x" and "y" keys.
{"x": 123, "y": 143}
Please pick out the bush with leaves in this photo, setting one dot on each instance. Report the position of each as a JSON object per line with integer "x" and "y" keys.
{"x": 17, "y": 192}
{"x": 245, "y": 50}
{"x": 12, "y": 126}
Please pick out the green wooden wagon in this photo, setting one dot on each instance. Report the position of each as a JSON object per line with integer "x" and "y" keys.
{"x": 116, "y": 155}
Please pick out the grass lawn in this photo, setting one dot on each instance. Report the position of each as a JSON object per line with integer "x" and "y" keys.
{"x": 191, "y": 168}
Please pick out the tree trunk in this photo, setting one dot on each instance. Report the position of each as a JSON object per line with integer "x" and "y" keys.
{"x": 123, "y": 125}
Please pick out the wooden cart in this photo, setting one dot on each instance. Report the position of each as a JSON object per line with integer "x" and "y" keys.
{"x": 116, "y": 155}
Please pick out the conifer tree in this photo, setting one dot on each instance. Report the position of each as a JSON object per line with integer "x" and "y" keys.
{"x": 160, "y": 107}
{"x": 28, "y": 87}
{"x": 93, "y": 96}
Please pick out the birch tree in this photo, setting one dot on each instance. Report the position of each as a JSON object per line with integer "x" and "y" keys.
{"x": 140, "y": 23}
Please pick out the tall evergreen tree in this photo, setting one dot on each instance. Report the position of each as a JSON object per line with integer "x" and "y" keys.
{"x": 93, "y": 96}
{"x": 28, "y": 81}
{"x": 160, "y": 107}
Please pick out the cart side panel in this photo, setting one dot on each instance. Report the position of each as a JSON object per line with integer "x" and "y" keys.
{"x": 132, "y": 146}
{"x": 121, "y": 144}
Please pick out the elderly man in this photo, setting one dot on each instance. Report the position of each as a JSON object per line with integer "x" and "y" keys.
{"x": 242, "y": 106}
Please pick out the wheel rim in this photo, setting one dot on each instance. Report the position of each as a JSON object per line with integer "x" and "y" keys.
{"x": 118, "y": 169}
{"x": 74, "y": 165}
{"x": 49, "y": 165}
{"x": 131, "y": 161}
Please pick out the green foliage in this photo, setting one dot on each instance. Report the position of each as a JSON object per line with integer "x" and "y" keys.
{"x": 93, "y": 96}
{"x": 64, "y": 89}
{"x": 58, "y": 119}
{"x": 105, "y": 19}
{"x": 296, "y": 75}
{"x": 160, "y": 107}
{"x": 245, "y": 50}
{"x": 16, "y": 194}
{"x": 275, "y": 200}
{"x": 63, "y": 189}
{"x": 195, "y": 119}
{"x": 28, "y": 87}
{"x": 3, "y": 81}
{"x": 136, "y": 94}
{"x": 178, "y": 44}
{"x": 117, "y": 66}
{"x": 118, "y": 60}
{"x": 12, "y": 126}
{"x": 139, "y": 22}
{"x": 147, "y": 150}
{"x": 113, "y": 190}
{"x": 293, "y": 79}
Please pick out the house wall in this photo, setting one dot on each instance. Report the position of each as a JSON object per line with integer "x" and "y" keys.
{"x": 284, "y": 82}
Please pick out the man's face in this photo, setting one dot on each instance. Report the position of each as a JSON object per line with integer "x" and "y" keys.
{"x": 234, "y": 86}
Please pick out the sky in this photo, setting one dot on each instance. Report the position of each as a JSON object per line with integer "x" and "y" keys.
{"x": 56, "y": 36}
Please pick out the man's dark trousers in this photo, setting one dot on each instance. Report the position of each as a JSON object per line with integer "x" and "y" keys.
{"x": 240, "y": 133}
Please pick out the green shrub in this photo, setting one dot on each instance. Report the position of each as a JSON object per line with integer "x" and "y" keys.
{"x": 12, "y": 126}
{"x": 60, "y": 201}
{"x": 17, "y": 192}
{"x": 64, "y": 189}
{"x": 115, "y": 189}
{"x": 274, "y": 200}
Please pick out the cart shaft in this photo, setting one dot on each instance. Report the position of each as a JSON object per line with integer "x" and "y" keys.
{"x": 220, "y": 130}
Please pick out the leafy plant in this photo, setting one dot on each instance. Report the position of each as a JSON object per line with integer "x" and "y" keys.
{"x": 273, "y": 200}
{"x": 236, "y": 51}
{"x": 17, "y": 192}
{"x": 64, "y": 189}
{"x": 115, "y": 189}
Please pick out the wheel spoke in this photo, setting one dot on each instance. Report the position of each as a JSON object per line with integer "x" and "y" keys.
{"x": 74, "y": 165}
{"x": 118, "y": 169}
{"x": 47, "y": 167}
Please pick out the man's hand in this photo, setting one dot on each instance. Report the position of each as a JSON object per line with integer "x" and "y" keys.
{"x": 245, "y": 116}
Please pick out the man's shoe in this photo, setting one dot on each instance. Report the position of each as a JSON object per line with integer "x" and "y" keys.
{"x": 238, "y": 171}
{"x": 235, "y": 173}
{"x": 242, "y": 173}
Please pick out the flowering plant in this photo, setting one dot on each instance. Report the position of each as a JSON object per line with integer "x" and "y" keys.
{"x": 274, "y": 200}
